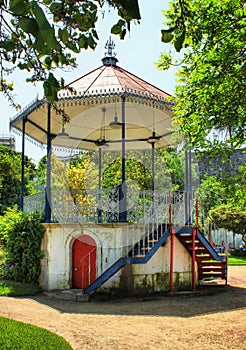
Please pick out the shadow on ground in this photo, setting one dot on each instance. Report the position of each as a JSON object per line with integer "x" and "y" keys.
{"x": 206, "y": 300}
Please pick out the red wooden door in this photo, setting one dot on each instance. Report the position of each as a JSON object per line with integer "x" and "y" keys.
{"x": 83, "y": 262}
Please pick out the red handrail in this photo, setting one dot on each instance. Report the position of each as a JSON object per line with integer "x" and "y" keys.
{"x": 89, "y": 270}
{"x": 172, "y": 244}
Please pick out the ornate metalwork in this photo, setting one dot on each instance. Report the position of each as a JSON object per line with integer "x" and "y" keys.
{"x": 83, "y": 206}
{"x": 112, "y": 205}
{"x": 34, "y": 202}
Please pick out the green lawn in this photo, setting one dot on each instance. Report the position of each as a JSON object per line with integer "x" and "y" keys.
{"x": 20, "y": 336}
{"x": 15, "y": 289}
{"x": 237, "y": 260}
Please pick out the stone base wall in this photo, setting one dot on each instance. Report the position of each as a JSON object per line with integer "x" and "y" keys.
{"x": 215, "y": 166}
{"x": 112, "y": 241}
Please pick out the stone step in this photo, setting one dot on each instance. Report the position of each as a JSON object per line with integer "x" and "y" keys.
{"x": 68, "y": 294}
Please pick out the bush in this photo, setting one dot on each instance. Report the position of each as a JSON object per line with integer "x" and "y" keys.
{"x": 17, "y": 289}
{"x": 3, "y": 257}
{"x": 21, "y": 235}
{"x": 238, "y": 252}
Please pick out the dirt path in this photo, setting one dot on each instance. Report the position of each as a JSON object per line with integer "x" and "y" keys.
{"x": 217, "y": 320}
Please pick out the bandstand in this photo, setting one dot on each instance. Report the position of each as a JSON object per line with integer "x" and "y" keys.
{"x": 126, "y": 239}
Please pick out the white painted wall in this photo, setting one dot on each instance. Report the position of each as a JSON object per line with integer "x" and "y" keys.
{"x": 113, "y": 241}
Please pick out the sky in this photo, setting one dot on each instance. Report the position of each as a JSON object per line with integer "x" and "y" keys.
{"x": 136, "y": 53}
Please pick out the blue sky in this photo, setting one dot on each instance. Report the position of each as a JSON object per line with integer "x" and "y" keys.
{"x": 137, "y": 54}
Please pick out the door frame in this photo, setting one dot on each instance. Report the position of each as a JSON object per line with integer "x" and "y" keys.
{"x": 98, "y": 252}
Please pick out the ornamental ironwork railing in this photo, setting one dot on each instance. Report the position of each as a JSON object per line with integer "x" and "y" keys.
{"x": 104, "y": 206}
{"x": 34, "y": 202}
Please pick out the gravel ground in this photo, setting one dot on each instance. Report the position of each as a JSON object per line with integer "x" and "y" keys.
{"x": 212, "y": 318}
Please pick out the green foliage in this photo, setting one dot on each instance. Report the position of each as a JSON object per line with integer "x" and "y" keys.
{"x": 175, "y": 165}
{"x": 229, "y": 217}
{"x": 10, "y": 177}
{"x": 211, "y": 95}
{"x": 40, "y": 175}
{"x": 223, "y": 202}
{"x": 3, "y": 258}
{"x": 7, "y": 222}
{"x": 239, "y": 253}
{"x": 18, "y": 335}
{"x": 15, "y": 289}
{"x": 169, "y": 170}
{"x": 38, "y": 36}
{"x": 135, "y": 171}
{"x": 210, "y": 194}
{"x": 21, "y": 236}
{"x": 236, "y": 188}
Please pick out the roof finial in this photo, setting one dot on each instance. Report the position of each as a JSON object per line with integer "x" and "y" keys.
{"x": 110, "y": 59}
{"x": 110, "y": 45}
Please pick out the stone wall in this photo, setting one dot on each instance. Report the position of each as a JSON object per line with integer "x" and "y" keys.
{"x": 215, "y": 166}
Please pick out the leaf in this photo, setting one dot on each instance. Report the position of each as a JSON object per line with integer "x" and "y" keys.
{"x": 166, "y": 35}
{"x": 51, "y": 86}
{"x": 128, "y": 8}
{"x": 39, "y": 43}
{"x": 40, "y": 16}
{"x": 122, "y": 34}
{"x": 121, "y": 22}
{"x": 92, "y": 44}
{"x": 63, "y": 35}
{"x": 94, "y": 32}
{"x": 7, "y": 45}
{"x": 28, "y": 25}
{"x": 116, "y": 29}
{"x": 48, "y": 35}
{"x": 55, "y": 59}
{"x": 82, "y": 42}
{"x": 48, "y": 62}
{"x": 72, "y": 46}
{"x": 18, "y": 7}
{"x": 55, "y": 7}
{"x": 178, "y": 43}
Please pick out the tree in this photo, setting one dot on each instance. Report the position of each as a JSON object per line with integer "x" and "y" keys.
{"x": 210, "y": 194}
{"x": 230, "y": 218}
{"x": 175, "y": 165}
{"x": 10, "y": 177}
{"x": 73, "y": 185}
{"x": 211, "y": 95}
{"x": 223, "y": 202}
{"x": 236, "y": 189}
{"x": 38, "y": 36}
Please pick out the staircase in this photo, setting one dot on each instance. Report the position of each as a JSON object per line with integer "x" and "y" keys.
{"x": 210, "y": 265}
{"x": 141, "y": 253}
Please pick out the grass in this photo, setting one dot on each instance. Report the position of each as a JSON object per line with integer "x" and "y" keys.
{"x": 15, "y": 289}
{"x": 237, "y": 260}
{"x": 16, "y": 335}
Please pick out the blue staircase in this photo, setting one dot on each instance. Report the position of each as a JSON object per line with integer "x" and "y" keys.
{"x": 141, "y": 253}
{"x": 210, "y": 264}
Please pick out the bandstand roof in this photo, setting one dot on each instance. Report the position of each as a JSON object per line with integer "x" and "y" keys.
{"x": 93, "y": 101}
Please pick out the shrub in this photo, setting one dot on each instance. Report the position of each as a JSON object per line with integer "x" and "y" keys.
{"x": 21, "y": 236}
{"x": 16, "y": 289}
{"x": 238, "y": 252}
